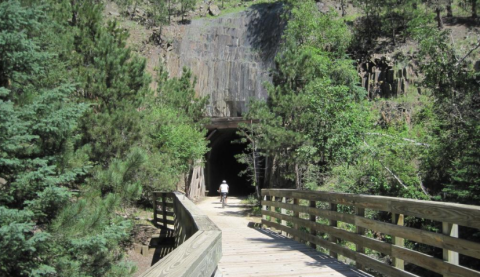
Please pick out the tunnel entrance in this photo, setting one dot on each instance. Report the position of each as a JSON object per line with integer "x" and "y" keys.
{"x": 222, "y": 165}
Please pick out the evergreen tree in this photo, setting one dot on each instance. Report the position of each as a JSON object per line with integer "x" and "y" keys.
{"x": 186, "y": 6}
{"x": 161, "y": 15}
{"x": 450, "y": 76}
{"x": 173, "y": 128}
{"x": 309, "y": 118}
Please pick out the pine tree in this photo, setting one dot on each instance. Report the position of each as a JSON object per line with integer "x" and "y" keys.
{"x": 186, "y": 6}
{"x": 309, "y": 118}
{"x": 452, "y": 165}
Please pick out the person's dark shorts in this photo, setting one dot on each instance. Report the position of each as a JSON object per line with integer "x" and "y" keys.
{"x": 224, "y": 194}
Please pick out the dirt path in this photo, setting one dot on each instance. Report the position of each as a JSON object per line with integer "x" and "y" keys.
{"x": 261, "y": 252}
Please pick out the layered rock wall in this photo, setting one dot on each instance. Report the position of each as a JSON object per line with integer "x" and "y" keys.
{"x": 381, "y": 78}
{"x": 230, "y": 56}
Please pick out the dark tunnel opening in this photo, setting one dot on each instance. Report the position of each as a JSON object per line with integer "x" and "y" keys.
{"x": 222, "y": 164}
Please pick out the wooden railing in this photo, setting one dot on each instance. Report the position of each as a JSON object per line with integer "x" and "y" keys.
{"x": 315, "y": 218}
{"x": 198, "y": 241}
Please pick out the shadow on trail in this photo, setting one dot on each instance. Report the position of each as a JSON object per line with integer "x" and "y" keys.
{"x": 282, "y": 243}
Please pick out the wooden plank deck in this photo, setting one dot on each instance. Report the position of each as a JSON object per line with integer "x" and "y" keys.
{"x": 261, "y": 252}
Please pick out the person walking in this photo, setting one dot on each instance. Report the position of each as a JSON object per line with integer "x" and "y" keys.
{"x": 223, "y": 189}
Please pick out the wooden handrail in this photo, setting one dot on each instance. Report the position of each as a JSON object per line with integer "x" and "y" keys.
{"x": 295, "y": 213}
{"x": 198, "y": 240}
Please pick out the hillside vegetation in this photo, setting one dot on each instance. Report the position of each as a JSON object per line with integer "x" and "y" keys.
{"x": 82, "y": 139}
{"x": 324, "y": 131}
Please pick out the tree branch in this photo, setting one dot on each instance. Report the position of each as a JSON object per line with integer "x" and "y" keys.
{"x": 388, "y": 169}
{"x": 405, "y": 139}
{"x": 422, "y": 187}
{"x": 468, "y": 54}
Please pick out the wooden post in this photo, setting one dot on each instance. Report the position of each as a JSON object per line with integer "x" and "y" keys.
{"x": 313, "y": 218}
{"x": 398, "y": 219}
{"x": 272, "y": 208}
{"x": 448, "y": 255}
{"x": 361, "y": 231}
{"x": 333, "y": 207}
{"x": 284, "y": 211}
{"x": 164, "y": 209}
{"x": 296, "y": 202}
{"x": 264, "y": 207}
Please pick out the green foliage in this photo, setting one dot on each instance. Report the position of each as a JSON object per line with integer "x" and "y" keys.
{"x": 385, "y": 18}
{"x": 121, "y": 177}
{"x": 449, "y": 74}
{"x": 19, "y": 52}
{"x": 89, "y": 238}
{"x": 186, "y": 6}
{"x": 72, "y": 116}
{"x": 173, "y": 130}
{"x": 179, "y": 93}
{"x": 27, "y": 250}
{"x": 312, "y": 118}
{"x": 160, "y": 12}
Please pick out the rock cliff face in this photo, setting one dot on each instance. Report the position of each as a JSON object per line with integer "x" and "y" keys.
{"x": 230, "y": 56}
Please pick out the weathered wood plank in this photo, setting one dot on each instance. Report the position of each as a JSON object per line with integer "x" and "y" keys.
{"x": 167, "y": 213}
{"x": 451, "y": 216}
{"x": 463, "y": 215}
{"x": 362, "y": 201}
{"x": 359, "y": 247}
{"x": 432, "y": 263}
{"x": 196, "y": 257}
{"x": 333, "y": 223}
{"x": 361, "y": 258}
{"x": 296, "y": 214}
{"x": 452, "y": 257}
{"x": 434, "y": 239}
{"x": 165, "y": 222}
{"x": 313, "y": 218}
{"x": 347, "y": 218}
{"x": 461, "y": 246}
{"x": 398, "y": 241}
{"x": 373, "y": 244}
{"x": 198, "y": 241}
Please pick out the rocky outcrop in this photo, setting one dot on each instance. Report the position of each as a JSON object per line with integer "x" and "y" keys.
{"x": 214, "y": 10}
{"x": 230, "y": 55}
{"x": 381, "y": 78}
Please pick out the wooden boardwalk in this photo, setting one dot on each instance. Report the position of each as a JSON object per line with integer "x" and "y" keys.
{"x": 261, "y": 252}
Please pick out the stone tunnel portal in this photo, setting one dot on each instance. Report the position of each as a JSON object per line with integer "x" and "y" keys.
{"x": 221, "y": 163}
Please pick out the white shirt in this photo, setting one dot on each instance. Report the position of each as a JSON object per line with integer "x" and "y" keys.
{"x": 224, "y": 188}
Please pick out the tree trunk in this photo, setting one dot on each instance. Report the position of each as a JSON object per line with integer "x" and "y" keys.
{"x": 74, "y": 13}
{"x": 449, "y": 9}
{"x": 439, "y": 18}
{"x": 134, "y": 10}
{"x": 393, "y": 36}
{"x": 169, "y": 10}
{"x": 474, "y": 8}
{"x": 272, "y": 171}
{"x": 297, "y": 177}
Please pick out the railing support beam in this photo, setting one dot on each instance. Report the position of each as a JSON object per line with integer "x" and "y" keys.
{"x": 361, "y": 231}
{"x": 313, "y": 218}
{"x": 284, "y": 211}
{"x": 448, "y": 255}
{"x": 296, "y": 215}
{"x": 333, "y": 208}
{"x": 398, "y": 219}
